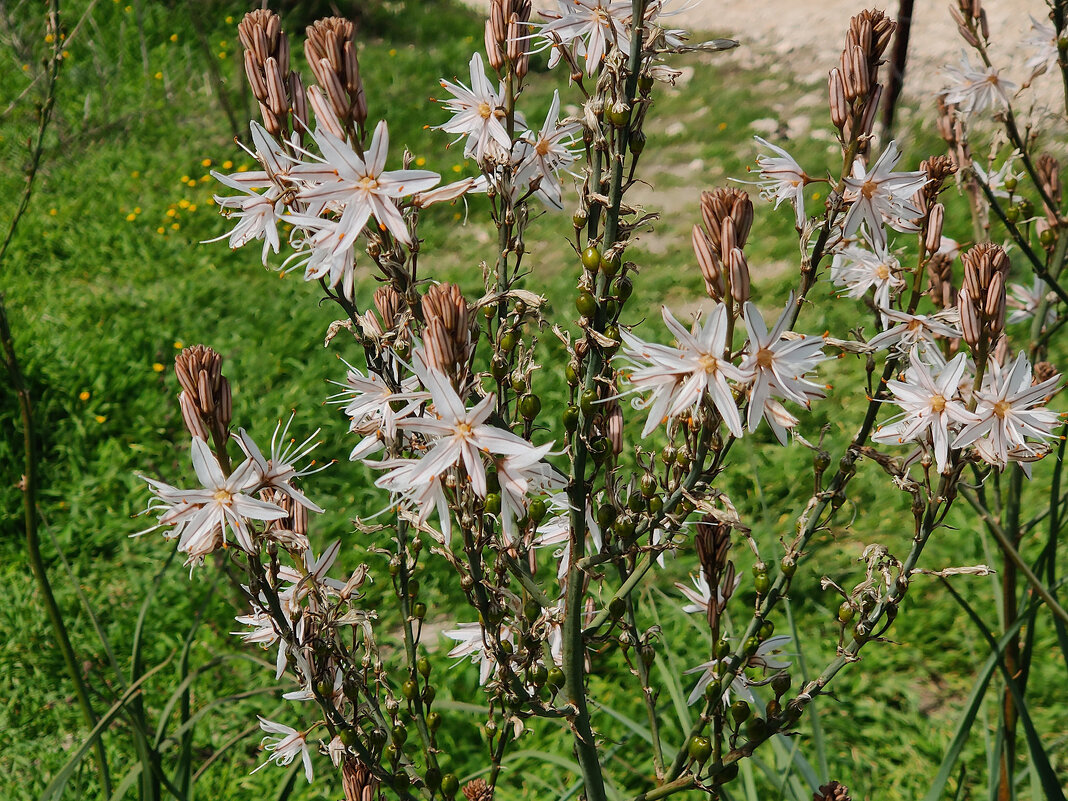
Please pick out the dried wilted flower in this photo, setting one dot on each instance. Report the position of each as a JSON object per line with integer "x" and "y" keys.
{"x": 713, "y": 542}
{"x": 331, "y": 52}
{"x": 1049, "y": 175}
{"x": 940, "y": 271}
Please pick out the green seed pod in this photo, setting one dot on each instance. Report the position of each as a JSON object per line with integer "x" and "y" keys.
{"x": 636, "y": 502}
{"x": 508, "y": 341}
{"x": 429, "y": 694}
{"x": 378, "y": 737}
{"x": 529, "y": 406}
{"x": 586, "y": 303}
{"x": 1047, "y": 238}
{"x": 493, "y": 503}
{"x": 401, "y": 783}
{"x": 400, "y": 735}
{"x": 571, "y": 417}
{"x": 624, "y": 288}
{"x": 1010, "y": 183}
{"x": 571, "y": 374}
{"x": 556, "y": 677}
{"x": 723, "y": 648}
{"x": 1012, "y": 214}
{"x": 423, "y": 666}
{"x": 537, "y": 510}
{"x": 618, "y": 116}
{"x": 682, "y": 458}
{"x": 788, "y": 567}
{"x": 488, "y": 312}
{"x": 751, "y": 646}
{"x": 648, "y": 656}
{"x": 432, "y": 777}
{"x": 606, "y": 516}
{"x": 611, "y": 308}
{"x": 668, "y": 454}
{"x": 648, "y": 486}
{"x": 656, "y": 505}
{"x": 740, "y": 711}
{"x": 772, "y": 709}
{"x": 617, "y": 608}
{"x": 780, "y": 683}
{"x": 349, "y": 738}
{"x": 449, "y": 785}
{"x": 324, "y": 688}
{"x": 699, "y": 749}
{"x": 846, "y": 612}
{"x": 610, "y": 266}
{"x": 579, "y": 219}
{"x": 413, "y": 587}
{"x": 591, "y": 258}
{"x": 756, "y": 729}
{"x": 538, "y": 675}
{"x": 645, "y": 82}
{"x": 762, "y": 583}
{"x": 767, "y": 629}
{"x": 727, "y": 775}
{"x": 391, "y": 753}
{"x": 624, "y": 526}
{"x": 433, "y": 721}
{"x": 498, "y": 369}
{"x": 518, "y": 383}
{"x": 419, "y": 610}
{"x": 588, "y": 401}
{"x": 637, "y": 143}
{"x": 1027, "y": 208}
{"x": 409, "y": 689}
{"x": 531, "y": 610}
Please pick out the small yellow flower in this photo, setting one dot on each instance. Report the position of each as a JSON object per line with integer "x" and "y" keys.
{"x": 243, "y": 168}
{"x": 131, "y": 217}
{"x": 456, "y": 168}
{"x": 53, "y": 212}
{"x": 183, "y": 203}
{"x": 137, "y": 209}
{"x": 815, "y": 195}
{"x": 176, "y": 226}
{"x": 184, "y": 178}
{"x": 158, "y": 76}
{"x": 174, "y": 37}
{"x": 171, "y": 212}
{"x": 393, "y": 51}
{"x": 191, "y": 182}
{"x": 157, "y": 367}
{"x": 419, "y": 162}
{"x": 228, "y": 165}
{"x": 192, "y": 207}
{"x": 135, "y": 174}
{"x": 83, "y": 395}
{"x": 205, "y": 178}
{"x": 101, "y": 418}
{"x": 25, "y": 67}
{"x": 222, "y": 54}
{"x": 722, "y": 126}
{"x": 161, "y": 230}
{"x": 49, "y": 38}
{"x": 205, "y": 163}
{"x": 178, "y": 344}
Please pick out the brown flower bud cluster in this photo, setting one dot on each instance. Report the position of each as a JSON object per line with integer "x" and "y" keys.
{"x": 508, "y": 37}
{"x": 1049, "y": 177}
{"x": 478, "y": 790}
{"x": 854, "y": 86}
{"x": 982, "y": 298}
{"x": 970, "y": 17}
{"x": 447, "y": 335}
{"x": 727, "y": 215}
{"x": 358, "y": 782}
{"x": 331, "y": 52}
{"x": 951, "y": 129}
{"x": 279, "y": 92}
{"x": 713, "y": 542}
{"x": 940, "y": 271}
{"x": 205, "y": 400}
{"x": 832, "y": 791}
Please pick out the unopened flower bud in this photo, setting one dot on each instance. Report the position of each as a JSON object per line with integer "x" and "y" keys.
{"x": 934, "y": 228}
{"x": 739, "y": 273}
{"x": 839, "y": 104}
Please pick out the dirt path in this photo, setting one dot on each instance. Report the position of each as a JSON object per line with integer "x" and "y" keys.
{"x": 806, "y": 35}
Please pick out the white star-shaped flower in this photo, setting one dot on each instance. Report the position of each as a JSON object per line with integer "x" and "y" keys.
{"x": 284, "y": 744}
{"x": 880, "y": 196}
{"x": 477, "y": 114}
{"x": 973, "y": 89}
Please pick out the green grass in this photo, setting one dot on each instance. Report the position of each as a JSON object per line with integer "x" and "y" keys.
{"x": 106, "y": 280}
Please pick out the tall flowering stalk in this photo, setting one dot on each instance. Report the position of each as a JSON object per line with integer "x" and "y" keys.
{"x": 443, "y": 402}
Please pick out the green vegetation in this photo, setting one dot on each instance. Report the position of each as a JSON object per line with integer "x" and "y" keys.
{"x": 106, "y": 280}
